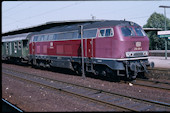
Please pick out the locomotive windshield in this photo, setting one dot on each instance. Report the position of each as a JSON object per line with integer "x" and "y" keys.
{"x": 129, "y": 31}
{"x": 139, "y": 31}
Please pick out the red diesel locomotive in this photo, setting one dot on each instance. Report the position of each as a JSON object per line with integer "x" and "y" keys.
{"x": 111, "y": 48}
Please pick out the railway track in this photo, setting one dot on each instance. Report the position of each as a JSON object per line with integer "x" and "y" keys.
{"x": 161, "y": 70}
{"x": 126, "y": 103}
{"x": 152, "y": 84}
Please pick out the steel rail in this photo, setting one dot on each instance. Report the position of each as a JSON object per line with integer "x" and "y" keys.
{"x": 157, "y": 87}
{"x": 159, "y": 69}
{"x": 154, "y": 81}
{"x": 144, "y": 100}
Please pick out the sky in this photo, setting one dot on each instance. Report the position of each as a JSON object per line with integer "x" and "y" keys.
{"x": 24, "y": 14}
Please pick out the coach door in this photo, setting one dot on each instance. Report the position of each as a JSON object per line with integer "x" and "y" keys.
{"x": 10, "y": 48}
{"x": 32, "y": 50}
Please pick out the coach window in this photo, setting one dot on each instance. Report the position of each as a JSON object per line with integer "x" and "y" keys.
{"x": 15, "y": 45}
{"x": 19, "y": 45}
{"x": 6, "y": 45}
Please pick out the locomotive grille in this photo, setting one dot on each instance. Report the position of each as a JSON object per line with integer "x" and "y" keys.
{"x": 138, "y": 54}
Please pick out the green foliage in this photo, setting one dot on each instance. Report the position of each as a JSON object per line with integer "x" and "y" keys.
{"x": 157, "y": 20}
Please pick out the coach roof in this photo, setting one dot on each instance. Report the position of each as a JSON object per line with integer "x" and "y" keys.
{"x": 17, "y": 37}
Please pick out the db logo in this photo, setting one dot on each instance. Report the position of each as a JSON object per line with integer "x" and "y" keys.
{"x": 138, "y": 44}
{"x": 51, "y": 43}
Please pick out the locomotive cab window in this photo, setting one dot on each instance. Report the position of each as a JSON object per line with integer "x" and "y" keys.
{"x": 108, "y": 32}
{"x": 140, "y": 32}
{"x": 127, "y": 31}
{"x": 102, "y": 33}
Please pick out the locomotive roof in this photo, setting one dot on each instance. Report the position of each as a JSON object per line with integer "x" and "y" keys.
{"x": 61, "y": 26}
{"x": 87, "y": 25}
{"x": 47, "y": 25}
{"x": 22, "y": 36}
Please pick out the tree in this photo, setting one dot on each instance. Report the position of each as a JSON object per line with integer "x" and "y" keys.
{"x": 157, "y": 20}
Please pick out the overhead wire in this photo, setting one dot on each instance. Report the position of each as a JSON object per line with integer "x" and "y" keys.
{"x": 24, "y": 9}
{"x": 14, "y": 7}
{"x": 44, "y": 13}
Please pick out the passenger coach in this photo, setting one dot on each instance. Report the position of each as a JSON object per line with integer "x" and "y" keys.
{"x": 15, "y": 47}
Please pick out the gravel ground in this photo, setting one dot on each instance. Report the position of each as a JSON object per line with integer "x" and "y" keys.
{"x": 32, "y": 98}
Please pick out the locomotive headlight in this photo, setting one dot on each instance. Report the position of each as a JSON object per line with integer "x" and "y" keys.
{"x": 129, "y": 54}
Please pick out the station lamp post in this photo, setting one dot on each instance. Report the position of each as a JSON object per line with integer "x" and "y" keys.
{"x": 161, "y": 6}
{"x": 82, "y": 51}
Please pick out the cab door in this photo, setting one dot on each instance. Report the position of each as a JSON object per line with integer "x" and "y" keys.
{"x": 89, "y": 48}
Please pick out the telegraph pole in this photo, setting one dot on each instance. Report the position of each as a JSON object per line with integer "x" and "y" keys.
{"x": 165, "y": 28}
{"x": 82, "y": 51}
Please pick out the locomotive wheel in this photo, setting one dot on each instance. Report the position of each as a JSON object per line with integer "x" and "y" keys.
{"x": 102, "y": 71}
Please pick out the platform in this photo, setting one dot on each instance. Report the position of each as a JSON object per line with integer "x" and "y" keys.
{"x": 160, "y": 62}
{"x": 8, "y": 107}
